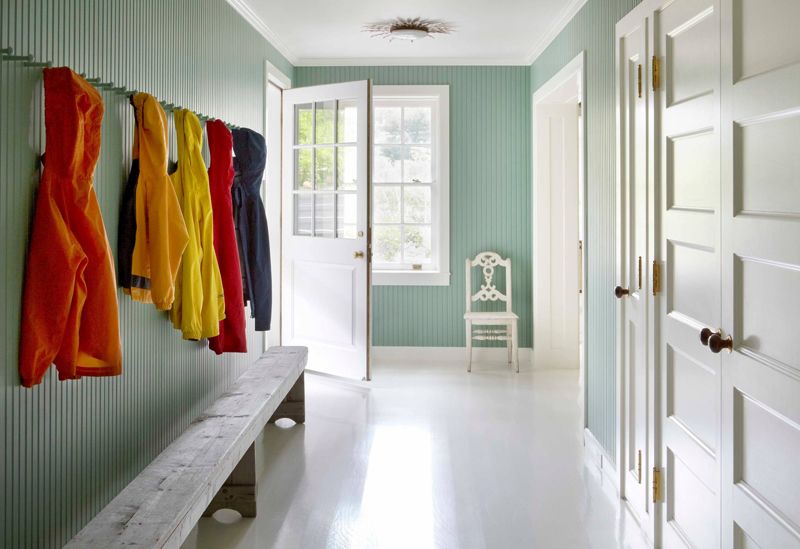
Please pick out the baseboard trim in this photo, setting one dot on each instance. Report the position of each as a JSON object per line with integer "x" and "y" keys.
{"x": 446, "y": 355}
{"x": 596, "y": 456}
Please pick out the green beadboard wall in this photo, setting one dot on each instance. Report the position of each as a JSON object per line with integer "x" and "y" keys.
{"x": 592, "y": 30}
{"x": 69, "y": 447}
{"x": 489, "y": 195}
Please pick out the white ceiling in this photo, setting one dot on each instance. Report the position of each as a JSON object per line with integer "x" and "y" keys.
{"x": 488, "y": 32}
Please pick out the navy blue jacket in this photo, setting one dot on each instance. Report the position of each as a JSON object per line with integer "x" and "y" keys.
{"x": 251, "y": 223}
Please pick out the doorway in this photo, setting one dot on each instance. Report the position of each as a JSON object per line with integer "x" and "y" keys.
{"x": 559, "y": 274}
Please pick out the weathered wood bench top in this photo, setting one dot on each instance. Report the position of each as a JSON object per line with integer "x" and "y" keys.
{"x": 161, "y": 505}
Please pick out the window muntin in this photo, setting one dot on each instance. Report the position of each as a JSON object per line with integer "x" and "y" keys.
{"x": 326, "y": 169}
{"x": 405, "y": 188}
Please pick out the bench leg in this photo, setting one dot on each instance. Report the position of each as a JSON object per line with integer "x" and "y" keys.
{"x": 294, "y": 405}
{"x": 239, "y": 491}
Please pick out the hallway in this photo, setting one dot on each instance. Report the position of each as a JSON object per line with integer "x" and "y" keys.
{"x": 429, "y": 456}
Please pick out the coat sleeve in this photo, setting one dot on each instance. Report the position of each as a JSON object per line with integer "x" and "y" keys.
{"x": 168, "y": 236}
{"x": 54, "y": 292}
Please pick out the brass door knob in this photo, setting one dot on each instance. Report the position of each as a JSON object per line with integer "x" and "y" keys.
{"x": 716, "y": 343}
{"x": 705, "y": 334}
{"x": 620, "y": 292}
{"x": 358, "y": 255}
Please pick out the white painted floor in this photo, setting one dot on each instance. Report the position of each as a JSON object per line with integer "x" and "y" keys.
{"x": 430, "y": 456}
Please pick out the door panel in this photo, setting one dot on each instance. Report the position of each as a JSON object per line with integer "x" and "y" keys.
{"x": 634, "y": 254}
{"x": 556, "y": 269}
{"x": 761, "y": 273}
{"x": 325, "y": 226}
{"x": 686, "y": 40}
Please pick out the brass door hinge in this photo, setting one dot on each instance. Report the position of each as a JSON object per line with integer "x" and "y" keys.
{"x": 639, "y": 467}
{"x": 639, "y": 80}
{"x": 656, "y": 73}
{"x": 656, "y": 278}
{"x": 656, "y": 484}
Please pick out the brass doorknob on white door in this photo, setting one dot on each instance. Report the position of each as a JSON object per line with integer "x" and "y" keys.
{"x": 358, "y": 255}
{"x": 621, "y": 292}
{"x": 716, "y": 343}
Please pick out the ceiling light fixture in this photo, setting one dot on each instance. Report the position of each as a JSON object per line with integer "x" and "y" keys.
{"x": 408, "y": 28}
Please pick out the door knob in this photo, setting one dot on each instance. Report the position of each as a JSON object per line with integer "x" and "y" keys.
{"x": 706, "y": 333}
{"x": 716, "y": 343}
{"x": 358, "y": 255}
{"x": 619, "y": 291}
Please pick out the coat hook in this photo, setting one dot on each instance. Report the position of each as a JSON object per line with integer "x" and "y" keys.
{"x": 7, "y": 51}
{"x": 37, "y": 64}
{"x": 119, "y": 90}
{"x": 93, "y": 80}
{"x": 105, "y": 85}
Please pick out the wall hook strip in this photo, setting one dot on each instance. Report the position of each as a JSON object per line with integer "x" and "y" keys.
{"x": 37, "y": 64}
{"x": 27, "y": 58}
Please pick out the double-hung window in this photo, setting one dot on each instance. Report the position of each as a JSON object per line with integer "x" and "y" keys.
{"x": 410, "y": 186}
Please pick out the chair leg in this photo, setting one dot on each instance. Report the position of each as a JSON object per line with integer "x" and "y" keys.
{"x": 508, "y": 342}
{"x": 514, "y": 346}
{"x": 469, "y": 345}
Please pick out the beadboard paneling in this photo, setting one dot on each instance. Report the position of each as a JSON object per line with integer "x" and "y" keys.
{"x": 69, "y": 447}
{"x": 489, "y": 196}
{"x": 592, "y": 30}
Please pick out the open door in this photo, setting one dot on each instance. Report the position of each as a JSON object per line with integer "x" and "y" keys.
{"x": 326, "y": 259}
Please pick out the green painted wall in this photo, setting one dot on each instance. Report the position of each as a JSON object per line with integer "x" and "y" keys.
{"x": 69, "y": 447}
{"x": 592, "y": 30}
{"x": 489, "y": 195}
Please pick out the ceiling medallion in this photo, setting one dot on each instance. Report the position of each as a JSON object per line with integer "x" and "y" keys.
{"x": 408, "y": 28}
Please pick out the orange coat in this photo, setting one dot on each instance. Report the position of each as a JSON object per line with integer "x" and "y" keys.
{"x": 161, "y": 234}
{"x": 69, "y": 304}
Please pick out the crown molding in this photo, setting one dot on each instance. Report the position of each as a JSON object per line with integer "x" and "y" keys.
{"x": 405, "y": 61}
{"x": 247, "y": 13}
{"x": 566, "y": 15}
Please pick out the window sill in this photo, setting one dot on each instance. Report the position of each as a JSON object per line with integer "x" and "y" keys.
{"x": 410, "y": 278}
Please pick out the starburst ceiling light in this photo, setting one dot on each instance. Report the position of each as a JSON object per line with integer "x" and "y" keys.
{"x": 408, "y": 28}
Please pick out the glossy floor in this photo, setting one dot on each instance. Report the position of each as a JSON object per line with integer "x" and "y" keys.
{"x": 429, "y": 457}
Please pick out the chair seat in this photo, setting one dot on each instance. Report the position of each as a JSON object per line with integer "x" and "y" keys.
{"x": 483, "y": 316}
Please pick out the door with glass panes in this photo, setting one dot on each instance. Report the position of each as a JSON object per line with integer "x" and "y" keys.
{"x": 326, "y": 259}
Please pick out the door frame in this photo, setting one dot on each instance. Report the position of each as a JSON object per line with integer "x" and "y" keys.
{"x": 575, "y": 69}
{"x": 273, "y": 187}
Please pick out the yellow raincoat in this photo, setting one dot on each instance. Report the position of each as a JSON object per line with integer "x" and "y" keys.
{"x": 199, "y": 301}
{"x": 161, "y": 234}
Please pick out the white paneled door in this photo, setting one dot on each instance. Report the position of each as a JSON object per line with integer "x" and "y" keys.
{"x": 760, "y": 340}
{"x": 686, "y": 42}
{"x": 557, "y": 269}
{"x": 634, "y": 235}
{"x": 326, "y": 260}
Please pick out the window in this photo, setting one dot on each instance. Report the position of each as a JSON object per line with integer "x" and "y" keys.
{"x": 410, "y": 186}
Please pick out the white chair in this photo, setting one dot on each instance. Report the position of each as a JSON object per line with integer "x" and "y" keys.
{"x": 491, "y": 325}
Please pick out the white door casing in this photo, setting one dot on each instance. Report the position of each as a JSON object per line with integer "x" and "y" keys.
{"x": 326, "y": 226}
{"x": 686, "y": 106}
{"x": 634, "y": 234}
{"x": 761, "y": 273}
{"x": 557, "y": 267}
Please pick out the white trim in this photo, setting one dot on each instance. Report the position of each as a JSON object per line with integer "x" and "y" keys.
{"x": 247, "y": 13}
{"x": 566, "y": 15}
{"x": 407, "y": 61}
{"x": 491, "y": 357}
{"x": 277, "y": 77}
{"x": 576, "y": 66}
{"x": 596, "y": 455}
{"x": 273, "y": 76}
{"x": 441, "y": 145}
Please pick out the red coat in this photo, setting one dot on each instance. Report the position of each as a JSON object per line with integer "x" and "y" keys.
{"x": 232, "y": 332}
{"x": 69, "y": 305}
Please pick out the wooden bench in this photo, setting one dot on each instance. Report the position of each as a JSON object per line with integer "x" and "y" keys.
{"x": 210, "y": 466}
